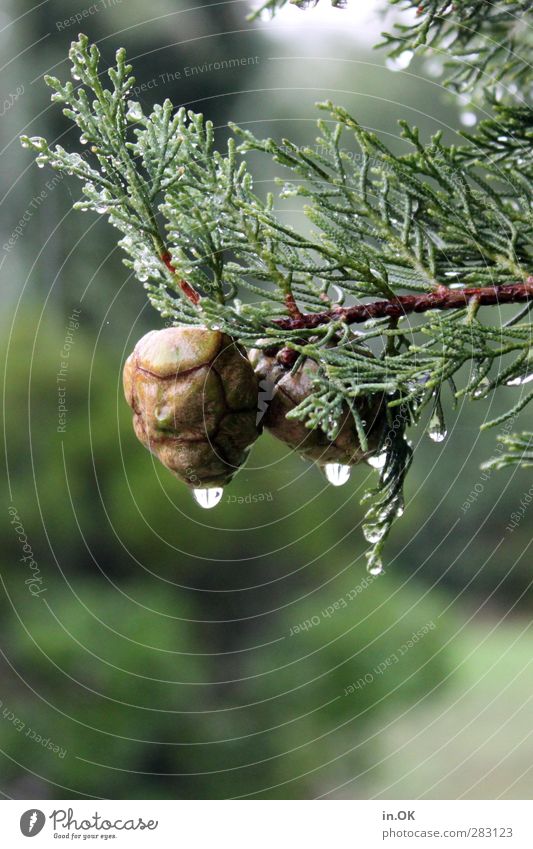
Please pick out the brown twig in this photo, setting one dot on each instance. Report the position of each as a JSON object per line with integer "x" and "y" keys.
{"x": 292, "y": 306}
{"x": 185, "y": 287}
{"x": 442, "y": 299}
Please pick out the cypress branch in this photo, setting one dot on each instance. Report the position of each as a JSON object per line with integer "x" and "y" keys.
{"x": 438, "y": 232}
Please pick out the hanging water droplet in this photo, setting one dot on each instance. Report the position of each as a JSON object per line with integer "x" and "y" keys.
{"x": 134, "y": 112}
{"x": 480, "y": 391}
{"x": 337, "y": 473}
{"x": 436, "y": 429}
{"x": 468, "y": 118}
{"x": 374, "y": 533}
{"x": 400, "y": 62}
{"x": 378, "y": 462}
{"x": 437, "y": 435}
{"x": 374, "y": 564}
{"x": 208, "y": 498}
{"x": 519, "y": 381}
{"x": 339, "y": 294}
{"x": 434, "y": 68}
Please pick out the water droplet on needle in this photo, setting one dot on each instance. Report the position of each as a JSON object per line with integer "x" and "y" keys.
{"x": 437, "y": 435}
{"x": 374, "y": 564}
{"x": 519, "y": 381}
{"x": 208, "y": 498}
{"x": 374, "y": 533}
{"x": 436, "y": 429}
{"x": 400, "y": 62}
{"x": 378, "y": 462}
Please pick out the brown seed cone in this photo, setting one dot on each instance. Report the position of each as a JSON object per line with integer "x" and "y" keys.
{"x": 193, "y": 394}
{"x": 283, "y": 391}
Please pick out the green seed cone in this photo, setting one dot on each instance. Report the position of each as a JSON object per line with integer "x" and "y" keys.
{"x": 283, "y": 391}
{"x": 193, "y": 394}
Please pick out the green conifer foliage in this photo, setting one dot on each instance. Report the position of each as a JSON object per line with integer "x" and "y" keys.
{"x": 406, "y": 254}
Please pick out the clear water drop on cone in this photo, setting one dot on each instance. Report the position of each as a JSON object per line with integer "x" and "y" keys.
{"x": 208, "y": 498}
{"x": 337, "y": 474}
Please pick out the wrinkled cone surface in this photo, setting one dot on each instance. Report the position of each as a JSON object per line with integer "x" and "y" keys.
{"x": 193, "y": 394}
{"x": 286, "y": 391}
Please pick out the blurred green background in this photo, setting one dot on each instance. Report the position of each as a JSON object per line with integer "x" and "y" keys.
{"x": 169, "y": 652}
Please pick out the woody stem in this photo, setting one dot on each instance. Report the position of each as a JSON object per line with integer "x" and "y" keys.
{"x": 441, "y": 299}
{"x": 185, "y": 287}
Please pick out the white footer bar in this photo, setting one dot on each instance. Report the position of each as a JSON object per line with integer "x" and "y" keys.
{"x": 268, "y": 824}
